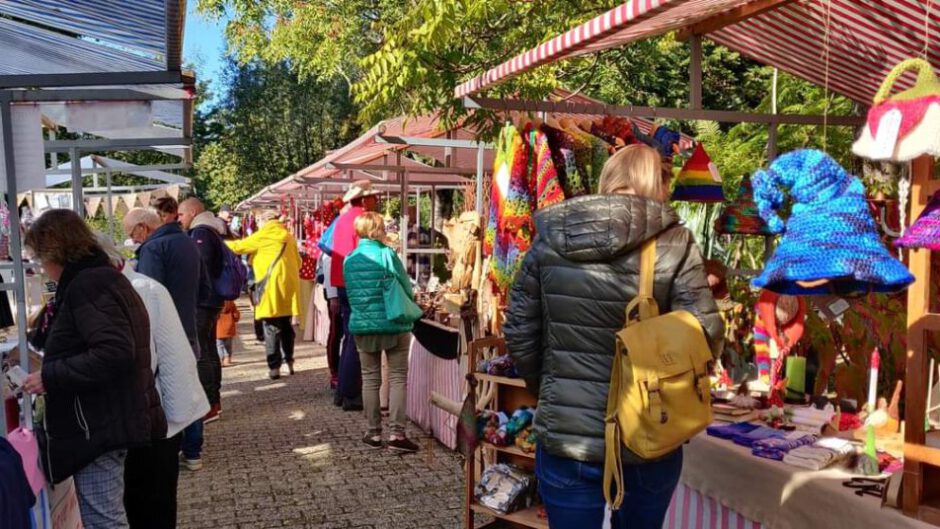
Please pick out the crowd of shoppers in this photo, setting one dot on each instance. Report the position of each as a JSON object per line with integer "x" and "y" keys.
{"x": 164, "y": 327}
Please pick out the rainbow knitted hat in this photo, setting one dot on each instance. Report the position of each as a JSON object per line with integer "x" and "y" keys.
{"x": 741, "y": 216}
{"x": 830, "y": 243}
{"x": 925, "y": 232}
{"x": 699, "y": 181}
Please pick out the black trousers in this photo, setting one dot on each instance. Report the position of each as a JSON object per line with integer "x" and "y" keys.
{"x": 209, "y": 364}
{"x": 259, "y": 330}
{"x": 279, "y": 341}
{"x": 150, "y": 482}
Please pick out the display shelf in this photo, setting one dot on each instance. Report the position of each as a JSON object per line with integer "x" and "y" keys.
{"x": 527, "y": 517}
{"x": 511, "y": 450}
{"x": 515, "y": 382}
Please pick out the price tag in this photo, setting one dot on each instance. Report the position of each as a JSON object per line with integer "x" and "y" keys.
{"x": 887, "y": 137}
{"x": 713, "y": 169}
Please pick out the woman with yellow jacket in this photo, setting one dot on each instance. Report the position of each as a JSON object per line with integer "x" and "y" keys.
{"x": 276, "y": 266}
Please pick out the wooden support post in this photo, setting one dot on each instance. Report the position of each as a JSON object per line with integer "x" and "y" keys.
{"x": 695, "y": 73}
{"x": 915, "y": 383}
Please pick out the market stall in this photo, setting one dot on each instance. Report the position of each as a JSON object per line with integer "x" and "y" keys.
{"x": 852, "y": 456}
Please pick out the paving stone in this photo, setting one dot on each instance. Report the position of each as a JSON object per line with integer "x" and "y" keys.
{"x": 284, "y": 457}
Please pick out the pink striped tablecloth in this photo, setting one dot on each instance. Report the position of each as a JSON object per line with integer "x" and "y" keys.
{"x": 427, "y": 373}
{"x": 691, "y": 509}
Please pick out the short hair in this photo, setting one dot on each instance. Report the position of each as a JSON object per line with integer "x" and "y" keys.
{"x": 269, "y": 214}
{"x": 61, "y": 236}
{"x": 142, "y": 216}
{"x": 166, "y": 205}
{"x": 634, "y": 169}
{"x": 371, "y": 225}
{"x": 194, "y": 204}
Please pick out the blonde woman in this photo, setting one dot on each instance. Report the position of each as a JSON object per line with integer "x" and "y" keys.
{"x": 366, "y": 271}
{"x": 567, "y": 303}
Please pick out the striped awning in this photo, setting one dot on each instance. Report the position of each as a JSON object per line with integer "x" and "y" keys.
{"x": 860, "y": 40}
{"x": 90, "y": 36}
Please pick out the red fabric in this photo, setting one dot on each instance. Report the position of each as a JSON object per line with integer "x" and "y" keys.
{"x": 345, "y": 241}
{"x": 308, "y": 268}
{"x": 227, "y": 325}
{"x": 912, "y": 112}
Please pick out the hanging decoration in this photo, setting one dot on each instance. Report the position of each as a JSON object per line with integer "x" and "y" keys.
{"x": 699, "y": 181}
{"x": 905, "y": 125}
{"x": 830, "y": 243}
{"x": 925, "y": 231}
{"x": 741, "y": 216}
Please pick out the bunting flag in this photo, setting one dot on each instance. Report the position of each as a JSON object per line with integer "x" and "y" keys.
{"x": 92, "y": 205}
{"x": 699, "y": 181}
{"x": 144, "y": 197}
{"x": 130, "y": 200}
{"x": 173, "y": 191}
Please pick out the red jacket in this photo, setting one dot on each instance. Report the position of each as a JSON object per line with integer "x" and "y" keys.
{"x": 345, "y": 241}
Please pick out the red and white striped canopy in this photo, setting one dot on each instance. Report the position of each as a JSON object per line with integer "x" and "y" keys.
{"x": 864, "y": 38}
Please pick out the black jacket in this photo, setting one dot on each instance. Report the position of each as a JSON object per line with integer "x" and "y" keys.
{"x": 568, "y": 302}
{"x": 100, "y": 391}
{"x": 171, "y": 258}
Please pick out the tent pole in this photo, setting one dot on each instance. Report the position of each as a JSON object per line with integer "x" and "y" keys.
{"x": 76, "y": 161}
{"x": 479, "y": 182}
{"x": 16, "y": 242}
{"x": 110, "y": 205}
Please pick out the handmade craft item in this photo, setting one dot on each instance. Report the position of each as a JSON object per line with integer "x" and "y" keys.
{"x": 830, "y": 243}
{"x": 905, "y": 125}
{"x": 699, "y": 181}
{"x": 778, "y": 326}
{"x": 925, "y": 232}
{"x": 740, "y": 216}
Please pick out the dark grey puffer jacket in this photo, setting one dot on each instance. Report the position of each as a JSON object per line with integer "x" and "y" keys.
{"x": 569, "y": 299}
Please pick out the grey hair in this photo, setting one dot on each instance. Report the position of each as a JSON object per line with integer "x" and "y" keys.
{"x": 107, "y": 245}
{"x": 146, "y": 216}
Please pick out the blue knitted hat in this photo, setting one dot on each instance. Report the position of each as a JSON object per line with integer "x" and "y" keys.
{"x": 830, "y": 233}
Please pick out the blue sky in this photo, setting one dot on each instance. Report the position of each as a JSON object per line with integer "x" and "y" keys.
{"x": 204, "y": 46}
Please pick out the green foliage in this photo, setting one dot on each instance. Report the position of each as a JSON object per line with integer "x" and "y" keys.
{"x": 269, "y": 124}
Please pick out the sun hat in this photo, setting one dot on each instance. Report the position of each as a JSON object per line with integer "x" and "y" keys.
{"x": 830, "y": 243}
{"x": 359, "y": 189}
{"x": 925, "y": 232}
{"x": 911, "y": 118}
{"x": 740, "y": 216}
{"x": 698, "y": 181}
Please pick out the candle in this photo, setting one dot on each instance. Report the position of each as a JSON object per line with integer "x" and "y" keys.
{"x": 873, "y": 381}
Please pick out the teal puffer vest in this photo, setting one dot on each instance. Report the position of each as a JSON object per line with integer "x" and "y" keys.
{"x": 365, "y": 274}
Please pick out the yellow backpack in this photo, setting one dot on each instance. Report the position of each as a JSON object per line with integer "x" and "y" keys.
{"x": 659, "y": 386}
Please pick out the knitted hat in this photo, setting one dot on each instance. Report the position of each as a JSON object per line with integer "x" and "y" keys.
{"x": 925, "y": 232}
{"x": 830, "y": 244}
{"x": 740, "y": 216}
{"x": 699, "y": 181}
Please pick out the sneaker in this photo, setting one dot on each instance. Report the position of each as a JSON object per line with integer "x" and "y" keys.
{"x": 192, "y": 465}
{"x": 275, "y": 374}
{"x": 373, "y": 441}
{"x": 214, "y": 412}
{"x": 402, "y": 445}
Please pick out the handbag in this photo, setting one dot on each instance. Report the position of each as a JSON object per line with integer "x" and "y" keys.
{"x": 399, "y": 307}
{"x": 659, "y": 386}
{"x": 258, "y": 292}
{"x": 910, "y": 119}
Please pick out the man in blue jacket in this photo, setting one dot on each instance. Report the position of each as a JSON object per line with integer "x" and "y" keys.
{"x": 206, "y": 231}
{"x": 167, "y": 255}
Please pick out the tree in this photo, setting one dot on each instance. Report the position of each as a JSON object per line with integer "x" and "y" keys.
{"x": 268, "y": 124}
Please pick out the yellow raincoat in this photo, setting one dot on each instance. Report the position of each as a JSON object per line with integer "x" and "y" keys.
{"x": 281, "y": 295}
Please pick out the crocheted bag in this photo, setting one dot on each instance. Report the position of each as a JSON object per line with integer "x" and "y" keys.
{"x": 919, "y": 108}
{"x": 830, "y": 243}
{"x": 925, "y": 232}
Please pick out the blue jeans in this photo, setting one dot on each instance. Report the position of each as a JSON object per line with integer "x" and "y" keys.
{"x": 192, "y": 440}
{"x": 573, "y": 492}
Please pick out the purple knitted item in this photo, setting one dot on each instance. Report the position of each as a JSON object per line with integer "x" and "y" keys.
{"x": 729, "y": 431}
{"x": 763, "y": 432}
{"x": 925, "y": 232}
{"x": 776, "y": 448}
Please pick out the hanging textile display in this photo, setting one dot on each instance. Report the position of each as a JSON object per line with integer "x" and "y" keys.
{"x": 740, "y": 216}
{"x": 698, "y": 181}
{"x": 905, "y": 125}
{"x": 830, "y": 242}
{"x": 925, "y": 232}
{"x": 524, "y": 180}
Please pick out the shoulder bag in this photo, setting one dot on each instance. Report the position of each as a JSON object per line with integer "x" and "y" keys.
{"x": 399, "y": 307}
{"x": 659, "y": 386}
{"x": 259, "y": 286}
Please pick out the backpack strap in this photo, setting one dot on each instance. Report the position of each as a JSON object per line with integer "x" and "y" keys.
{"x": 647, "y": 307}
